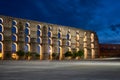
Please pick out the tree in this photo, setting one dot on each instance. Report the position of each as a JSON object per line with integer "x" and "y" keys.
{"x": 20, "y": 53}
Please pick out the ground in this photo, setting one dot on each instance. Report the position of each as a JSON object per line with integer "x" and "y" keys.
{"x": 60, "y": 70}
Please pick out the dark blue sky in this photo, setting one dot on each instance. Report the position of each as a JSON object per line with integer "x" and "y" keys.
{"x": 101, "y": 16}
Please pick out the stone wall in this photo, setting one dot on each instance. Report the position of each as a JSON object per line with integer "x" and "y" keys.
{"x": 53, "y": 38}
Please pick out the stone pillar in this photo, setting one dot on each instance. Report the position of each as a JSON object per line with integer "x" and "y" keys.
{"x": 21, "y": 36}
{"x": 92, "y": 46}
{"x": 85, "y": 45}
{"x": 45, "y": 43}
{"x": 33, "y": 45}
{"x": 7, "y": 42}
{"x": 93, "y": 53}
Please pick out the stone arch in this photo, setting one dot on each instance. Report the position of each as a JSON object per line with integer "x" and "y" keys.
{"x": 14, "y": 30}
{"x": 77, "y": 49}
{"x": 27, "y": 24}
{"x": 92, "y": 45}
{"x": 50, "y": 50}
{"x": 39, "y": 40}
{"x": 59, "y": 43}
{"x": 39, "y": 33}
{"x": 68, "y": 36}
{"x": 14, "y": 47}
{"x": 14, "y": 22}
{"x": 1, "y": 37}
{"x": 1, "y": 28}
{"x": 39, "y": 49}
{"x": 49, "y": 33}
{"x": 14, "y": 37}
{"x": 69, "y": 43}
{"x": 59, "y": 29}
{"x": 1, "y": 20}
{"x": 77, "y": 44}
{"x": 1, "y": 47}
{"x": 85, "y": 53}
{"x": 92, "y": 37}
{"x": 85, "y": 36}
{"x": 27, "y": 31}
{"x": 27, "y": 48}
{"x": 60, "y": 53}
{"x": 27, "y": 39}
{"x": 77, "y": 37}
{"x": 59, "y": 35}
{"x": 69, "y": 49}
{"x": 38, "y": 26}
{"x": 49, "y": 41}
{"x": 49, "y": 28}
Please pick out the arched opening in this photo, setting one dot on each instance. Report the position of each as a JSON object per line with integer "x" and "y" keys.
{"x": 77, "y": 44}
{"x": 27, "y": 39}
{"x": 92, "y": 45}
{"x": 14, "y": 37}
{"x": 49, "y": 41}
{"x": 14, "y": 47}
{"x": 1, "y": 37}
{"x": 60, "y": 53}
{"x": 39, "y": 33}
{"x": 92, "y": 37}
{"x": 27, "y": 31}
{"x": 1, "y": 47}
{"x": 27, "y": 48}
{"x": 59, "y": 35}
{"x": 14, "y": 30}
{"x": 85, "y": 44}
{"x": 14, "y": 22}
{"x": 93, "y": 53}
{"x": 50, "y": 52}
{"x": 39, "y": 40}
{"x": 77, "y": 49}
{"x": 85, "y": 53}
{"x": 59, "y": 43}
{"x": 69, "y": 49}
{"x": 50, "y": 28}
{"x": 1, "y": 50}
{"x": 39, "y": 49}
{"x": 68, "y": 36}
{"x": 1, "y": 28}
{"x": 49, "y": 34}
{"x": 68, "y": 43}
{"x": 38, "y": 26}
{"x": 27, "y": 24}
{"x": 59, "y": 29}
{"x": 77, "y": 37}
{"x": 1, "y": 20}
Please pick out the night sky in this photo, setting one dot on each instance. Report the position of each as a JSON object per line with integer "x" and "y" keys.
{"x": 101, "y": 16}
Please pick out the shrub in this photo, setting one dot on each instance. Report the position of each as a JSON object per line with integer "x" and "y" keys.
{"x": 78, "y": 54}
{"x": 68, "y": 54}
{"x": 20, "y": 53}
{"x": 54, "y": 54}
{"x": 28, "y": 54}
{"x": 8, "y": 55}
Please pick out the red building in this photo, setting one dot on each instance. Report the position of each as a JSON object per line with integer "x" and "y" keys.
{"x": 109, "y": 50}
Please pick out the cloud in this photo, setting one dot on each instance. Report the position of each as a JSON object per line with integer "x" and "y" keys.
{"x": 101, "y": 16}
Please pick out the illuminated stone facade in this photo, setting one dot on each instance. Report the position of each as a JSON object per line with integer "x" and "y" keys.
{"x": 45, "y": 39}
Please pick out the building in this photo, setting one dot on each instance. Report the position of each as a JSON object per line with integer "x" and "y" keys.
{"x": 45, "y": 39}
{"x": 109, "y": 50}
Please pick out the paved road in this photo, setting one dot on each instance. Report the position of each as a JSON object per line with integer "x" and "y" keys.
{"x": 63, "y": 70}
